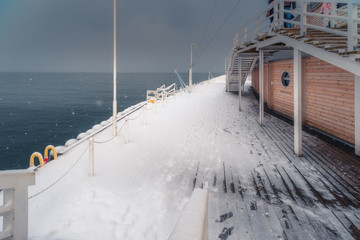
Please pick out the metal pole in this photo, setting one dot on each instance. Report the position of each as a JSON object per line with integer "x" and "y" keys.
{"x": 114, "y": 101}
{"x": 91, "y": 157}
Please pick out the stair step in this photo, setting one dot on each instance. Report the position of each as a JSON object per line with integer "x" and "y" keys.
{"x": 347, "y": 53}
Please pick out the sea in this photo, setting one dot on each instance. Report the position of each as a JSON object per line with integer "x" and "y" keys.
{"x": 38, "y": 109}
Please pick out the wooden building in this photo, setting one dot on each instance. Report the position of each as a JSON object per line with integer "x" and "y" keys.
{"x": 304, "y": 60}
{"x": 328, "y": 95}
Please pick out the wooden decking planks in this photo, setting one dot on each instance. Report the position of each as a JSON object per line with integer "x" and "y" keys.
{"x": 285, "y": 196}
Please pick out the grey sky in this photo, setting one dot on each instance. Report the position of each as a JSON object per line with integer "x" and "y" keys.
{"x": 153, "y": 35}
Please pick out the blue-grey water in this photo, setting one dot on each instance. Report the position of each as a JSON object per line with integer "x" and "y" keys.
{"x": 38, "y": 109}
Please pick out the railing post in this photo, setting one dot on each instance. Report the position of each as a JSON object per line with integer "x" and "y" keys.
{"x": 20, "y": 211}
{"x": 280, "y": 12}
{"x": 276, "y": 15}
{"x": 303, "y": 18}
{"x": 15, "y": 203}
{"x": 332, "y": 13}
{"x": 144, "y": 115}
{"x": 155, "y": 107}
{"x": 162, "y": 98}
{"x": 8, "y": 202}
{"x": 352, "y": 27}
{"x": 91, "y": 157}
{"x": 127, "y": 129}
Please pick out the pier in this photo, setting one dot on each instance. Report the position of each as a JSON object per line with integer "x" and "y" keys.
{"x": 257, "y": 187}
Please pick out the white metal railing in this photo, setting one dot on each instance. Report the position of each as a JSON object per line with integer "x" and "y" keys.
{"x": 14, "y": 208}
{"x": 154, "y": 93}
{"x": 342, "y": 19}
{"x": 161, "y": 93}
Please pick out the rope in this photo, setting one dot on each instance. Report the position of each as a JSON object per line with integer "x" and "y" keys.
{"x": 58, "y": 180}
{"x": 67, "y": 172}
{"x": 131, "y": 119}
{"x": 101, "y": 142}
{"x": 105, "y": 140}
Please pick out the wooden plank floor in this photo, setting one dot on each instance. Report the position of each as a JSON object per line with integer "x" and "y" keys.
{"x": 315, "y": 196}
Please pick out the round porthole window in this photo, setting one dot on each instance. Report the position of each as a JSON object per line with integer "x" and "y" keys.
{"x": 285, "y": 79}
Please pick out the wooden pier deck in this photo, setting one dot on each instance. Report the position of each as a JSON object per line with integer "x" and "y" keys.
{"x": 258, "y": 189}
{"x": 315, "y": 196}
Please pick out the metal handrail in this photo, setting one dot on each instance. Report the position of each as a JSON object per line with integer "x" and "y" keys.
{"x": 347, "y": 15}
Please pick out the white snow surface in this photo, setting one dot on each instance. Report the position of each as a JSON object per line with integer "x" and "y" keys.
{"x": 140, "y": 188}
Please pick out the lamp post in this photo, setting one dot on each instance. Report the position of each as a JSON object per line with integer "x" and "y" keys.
{"x": 191, "y": 65}
{"x": 114, "y": 101}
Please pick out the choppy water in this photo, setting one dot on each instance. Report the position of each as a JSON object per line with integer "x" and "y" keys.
{"x": 37, "y": 109}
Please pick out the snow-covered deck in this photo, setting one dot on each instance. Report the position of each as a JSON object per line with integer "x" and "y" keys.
{"x": 257, "y": 188}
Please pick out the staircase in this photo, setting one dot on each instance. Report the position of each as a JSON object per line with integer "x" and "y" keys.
{"x": 233, "y": 75}
{"x": 336, "y": 43}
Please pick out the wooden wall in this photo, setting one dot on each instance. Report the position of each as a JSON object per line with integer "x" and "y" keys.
{"x": 330, "y": 99}
{"x": 328, "y": 95}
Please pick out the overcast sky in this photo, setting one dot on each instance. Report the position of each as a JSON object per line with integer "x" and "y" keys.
{"x": 152, "y": 35}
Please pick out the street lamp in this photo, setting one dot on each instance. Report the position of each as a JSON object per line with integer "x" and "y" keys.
{"x": 114, "y": 101}
{"x": 191, "y": 65}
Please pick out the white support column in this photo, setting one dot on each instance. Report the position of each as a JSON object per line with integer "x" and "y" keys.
{"x": 240, "y": 80}
{"x": 357, "y": 115}
{"x": 297, "y": 103}
{"x": 261, "y": 86}
{"x": 91, "y": 157}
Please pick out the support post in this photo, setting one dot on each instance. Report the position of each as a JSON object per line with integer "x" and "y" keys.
{"x": 8, "y": 201}
{"x": 144, "y": 109}
{"x": 14, "y": 208}
{"x": 127, "y": 129}
{"x": 357, "y": 115}
{"x": 155, "y": 107}
{"x": 297, "y": 103}
{"x": 91, "y": 157}
{"x": 21, "y": 210}
{"x": 162, "y": 98}
{"x": 261, "y": 87}
{"x": 240, "y": 81}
